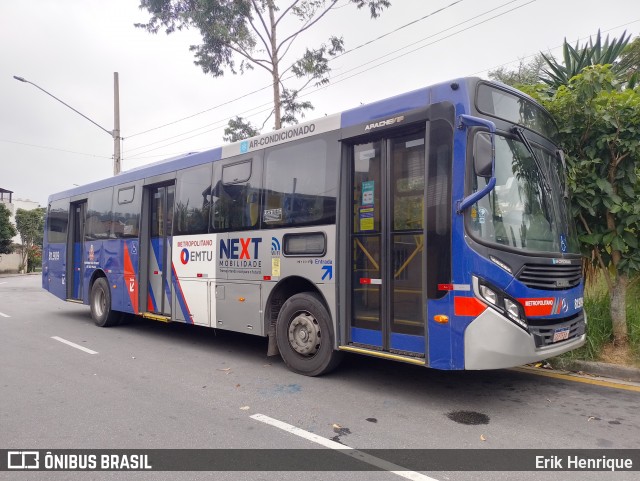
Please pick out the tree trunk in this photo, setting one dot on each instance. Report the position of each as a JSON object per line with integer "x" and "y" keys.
{"x": 618, "y": 310}
{"x": 275, "y": 66}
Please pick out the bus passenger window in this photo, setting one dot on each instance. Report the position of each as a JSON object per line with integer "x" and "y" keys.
{"x": 99, "y": 214}
{"x": 193, "y": 200}
{"x": 234, "y": 197}
{"x": 300, "y": 186}
{"x": 126, "y": 211}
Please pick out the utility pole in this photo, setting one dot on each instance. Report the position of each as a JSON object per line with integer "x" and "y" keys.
{"x": 116, "y": 124}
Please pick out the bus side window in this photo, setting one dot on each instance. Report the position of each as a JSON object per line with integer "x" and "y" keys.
{"x": 57, "y": 221}
{"x": 99, "y": 214}
{"x": 127, "y": 201}
{"x": 193, "y": 200}
{"x": 300, "y": 185}
{"x": 234, "y": 196}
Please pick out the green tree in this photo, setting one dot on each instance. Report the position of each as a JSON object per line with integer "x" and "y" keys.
{"x": 576, "y": 59}
{"x": 30, "y": 224}
{"x": 630, "y": 58}
{"x": 239, "y": 129}
{"x": 240, "y": 35}
{"x": 527, "y": 73}
{"x": 7, "y": 231}
{"x": 599, "y": 123}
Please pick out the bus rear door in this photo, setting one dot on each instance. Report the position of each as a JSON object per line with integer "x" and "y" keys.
{"x": 161, "y": 199}
{"x": 75, "y": 251}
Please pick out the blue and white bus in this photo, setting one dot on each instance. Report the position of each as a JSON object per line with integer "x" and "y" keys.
{"x": 432, "y": 228}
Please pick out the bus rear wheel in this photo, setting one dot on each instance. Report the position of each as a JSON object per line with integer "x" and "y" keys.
{"x": 100, "y": 304}
{"x": 305, "y": 337}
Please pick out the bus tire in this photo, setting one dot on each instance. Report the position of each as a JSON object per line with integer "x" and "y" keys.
{"x": 100, "y": 304}
{"x": 305, "y": 336}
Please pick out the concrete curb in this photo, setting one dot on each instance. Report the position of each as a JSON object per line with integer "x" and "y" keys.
{"x": 614, "y": 371}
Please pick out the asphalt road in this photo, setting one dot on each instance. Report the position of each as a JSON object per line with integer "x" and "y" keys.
{"x": 153, "y": 385}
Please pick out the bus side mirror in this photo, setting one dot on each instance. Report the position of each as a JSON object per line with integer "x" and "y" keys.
{"x": 483, "y": 155}
{"x": 484, "y": 162}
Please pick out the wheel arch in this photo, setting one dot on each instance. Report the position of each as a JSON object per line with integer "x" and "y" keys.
{"x": 282, "y": 291}
{"x": 98, "y": 273}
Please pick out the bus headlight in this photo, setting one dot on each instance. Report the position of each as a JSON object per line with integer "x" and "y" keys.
{"x": 513, "y": 311}
{"x": 500, "y": 301}
{"x": 488, "y": 295}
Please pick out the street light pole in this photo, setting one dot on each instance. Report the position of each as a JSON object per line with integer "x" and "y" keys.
{"x": 115, "y": 133}
{"x": 116, "y": 124}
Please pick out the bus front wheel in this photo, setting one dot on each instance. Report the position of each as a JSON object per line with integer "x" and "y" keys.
{"x": 100, "y": 303}
{"x": 305, "y": 337}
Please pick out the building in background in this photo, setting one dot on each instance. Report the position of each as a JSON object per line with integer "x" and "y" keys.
{"x": 10, "y": 263}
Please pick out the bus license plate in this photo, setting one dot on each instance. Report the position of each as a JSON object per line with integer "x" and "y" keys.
{"x": 561, "y": 334}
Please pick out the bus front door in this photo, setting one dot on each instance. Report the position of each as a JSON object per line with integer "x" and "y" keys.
{"x": 75, "y": 251}
{"x": 387, "y": 245}
{"x": 161, "y": 200}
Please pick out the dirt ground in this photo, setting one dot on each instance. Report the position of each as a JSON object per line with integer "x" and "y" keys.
{"x": 619, "y": 355}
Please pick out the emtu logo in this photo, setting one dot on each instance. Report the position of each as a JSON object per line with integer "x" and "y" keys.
{"x": 184, "y": 256}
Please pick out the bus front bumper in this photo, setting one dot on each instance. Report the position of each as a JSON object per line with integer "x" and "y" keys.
{"x": 493, "y": 342}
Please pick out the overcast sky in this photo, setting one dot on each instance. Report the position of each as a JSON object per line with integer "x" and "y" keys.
{"x": 72, "y": 47}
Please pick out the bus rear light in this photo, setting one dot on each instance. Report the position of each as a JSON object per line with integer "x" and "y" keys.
{"x": 441, "y": 318}
{"x": 241, "y": 299}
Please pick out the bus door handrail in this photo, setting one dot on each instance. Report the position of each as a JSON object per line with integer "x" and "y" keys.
{"x": 419, "y": 245}
{"x": 369, "y": 256}
{"x": 471, "y": 121}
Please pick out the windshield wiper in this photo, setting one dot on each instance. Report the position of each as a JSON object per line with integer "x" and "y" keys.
{"x": 519, "y": 131}
{"x": 560, "y": 155}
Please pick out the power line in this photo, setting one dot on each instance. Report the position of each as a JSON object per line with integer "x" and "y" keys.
{"x": 552, "y": 48}
{"x": 291, "y": 76}
{"x": 54, "y": 148}
{"x": 333, "y": 82}
{"x": 401, "y": 28}
{"x": 422, "y": 46}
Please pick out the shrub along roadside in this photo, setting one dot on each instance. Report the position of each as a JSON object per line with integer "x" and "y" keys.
{"x": 599, "y": 329}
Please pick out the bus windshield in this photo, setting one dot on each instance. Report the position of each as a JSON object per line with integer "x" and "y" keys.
{"x": 527, "y": 209}
{"x": 518, "y": 110}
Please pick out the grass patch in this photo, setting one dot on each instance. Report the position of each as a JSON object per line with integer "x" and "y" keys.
{"x": 599, "y": 331}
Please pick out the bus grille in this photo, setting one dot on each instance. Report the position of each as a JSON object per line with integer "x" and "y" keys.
{"x": 550, "y": 277}
{"x": 543, "y": 335}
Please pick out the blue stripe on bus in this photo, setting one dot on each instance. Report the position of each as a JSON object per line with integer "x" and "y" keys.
{"x": 406, "y": 342}
{"x": 77, "y": 269}
{"x": 149, "y": 170}
{"x": 366, "y": 336}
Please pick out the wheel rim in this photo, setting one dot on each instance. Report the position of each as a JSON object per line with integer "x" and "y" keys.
{"x": 304, "y": 334}
{"x": 99, "y": 302}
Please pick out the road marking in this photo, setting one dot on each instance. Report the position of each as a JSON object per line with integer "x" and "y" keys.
{"x": 346, "y": 450}
{"x": 4, "y": 315}
{"x": 73, "y": 344}
{"x": 584, "y": 380}
{"x": 3, "y": 283}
